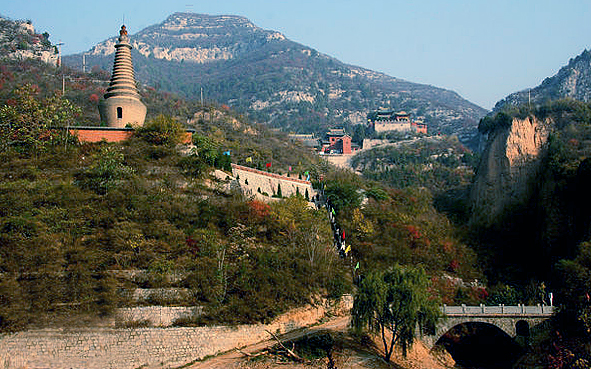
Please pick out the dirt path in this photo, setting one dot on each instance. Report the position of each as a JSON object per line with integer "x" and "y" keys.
{"x": 233, "y": 358}
{"x": 351, "y": 354}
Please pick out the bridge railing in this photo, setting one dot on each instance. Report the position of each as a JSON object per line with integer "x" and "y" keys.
{"x": 543, "y": 310}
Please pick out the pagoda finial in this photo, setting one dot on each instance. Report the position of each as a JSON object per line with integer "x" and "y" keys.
{"x": 123, "y": 34}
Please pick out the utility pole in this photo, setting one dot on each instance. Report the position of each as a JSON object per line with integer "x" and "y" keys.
{"x": 59, "y": 53}
{"x": 59, "y": 62}
{"x": 202, "y": 107}
{"x": 529, "y": 98}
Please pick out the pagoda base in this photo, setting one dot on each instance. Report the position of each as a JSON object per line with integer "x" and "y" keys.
{"x": 121, "y": 111}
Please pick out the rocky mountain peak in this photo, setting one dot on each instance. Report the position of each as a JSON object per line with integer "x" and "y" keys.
{"x": 194, "y": 21}
{"x": 19, "y": 40}
{"x": 197, "y": 38}
{"x": 572, "y": 81}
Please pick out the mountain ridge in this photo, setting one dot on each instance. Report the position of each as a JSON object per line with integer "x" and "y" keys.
{"x": 571, "y": 81}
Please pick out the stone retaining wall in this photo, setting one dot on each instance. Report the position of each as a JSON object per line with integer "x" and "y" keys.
{"x": 99, "y": 348}
{"x": 254, "y": 180}
{"x": 164, "y": 296}
{"x": 155, "y": 316}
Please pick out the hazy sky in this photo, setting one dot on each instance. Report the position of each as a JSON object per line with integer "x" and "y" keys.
{"x": 484, "y": 50}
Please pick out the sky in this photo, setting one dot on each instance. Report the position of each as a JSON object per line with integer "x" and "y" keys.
{"x": 483, "y": 50}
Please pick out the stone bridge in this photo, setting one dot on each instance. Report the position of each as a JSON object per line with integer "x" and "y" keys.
{"x": 513, "y": 320}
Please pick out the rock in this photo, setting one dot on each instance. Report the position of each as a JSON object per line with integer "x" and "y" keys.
{"x": 510, "y": 162}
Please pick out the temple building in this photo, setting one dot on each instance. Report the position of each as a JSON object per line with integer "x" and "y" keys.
{"x": 336, "y": 141}
{"x": 389, "y": 120}
{"x": 121, "y": 105}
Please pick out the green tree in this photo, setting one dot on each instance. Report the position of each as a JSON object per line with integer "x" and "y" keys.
{"x": 359, "y": 134}
{"x": 342, "y": 195}
{"x": 205, "y": 148}
{"x": 162, "y": 130}
{"x": 574, "y": 279}
{"x": 27, "y": 121}
{"x": 503, "y": 294}
{"x": 393, "y": 304}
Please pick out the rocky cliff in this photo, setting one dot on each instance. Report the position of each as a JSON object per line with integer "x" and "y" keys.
{"x": 510, "y": 163}
{"x": 19, "y": 40}
{"x": 531, "y": 204}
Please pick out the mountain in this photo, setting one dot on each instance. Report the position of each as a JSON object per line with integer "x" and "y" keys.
{"x": 275, "y": 80}
{"x": 18, "y": 40}
{"x": 571, "y": 81}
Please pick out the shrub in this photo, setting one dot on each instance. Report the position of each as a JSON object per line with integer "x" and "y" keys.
{"x": 162, "y": 130}
{"x": 107, "y": 169}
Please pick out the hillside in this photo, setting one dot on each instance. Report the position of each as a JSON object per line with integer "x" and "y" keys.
{"x": 274, "y": 80}
{"x": 530, "y": 193}
{"x": 530, "y": 216}
{"x": 572, "y": 81}
{"x": 144, "y": 206}
{"x": 76, "y": 217}
{"x": 437, "y": 163}
{"x": 19, "y": 40}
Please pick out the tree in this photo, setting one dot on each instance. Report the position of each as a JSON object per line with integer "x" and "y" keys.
{"x": 359, "y": 134}
{"x": 574, "y": 281}
{"x": 104, "y": 173}
{"x": 205, "y": 148}
{"x": 396, "y": 301}
{"x": 27, "y": 122}
{"x": 279, "y": 192}
{"x": 162, "y": 130}
{"x": 342, "y": 195}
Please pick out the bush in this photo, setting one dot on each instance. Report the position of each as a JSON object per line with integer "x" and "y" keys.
{"x": 162, "y": 130}
{"x": 104, "y": 173}
{"x": 315, "y": 346}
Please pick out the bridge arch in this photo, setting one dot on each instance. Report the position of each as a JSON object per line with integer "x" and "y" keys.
{"x": 507, "y": 325}
{"x": 469, "y": 326}
{"x": 522, "y": 328}
{"x": 512, "y": 320}
{"x": 480, "y": 344}
{"x": 511, "y": 326}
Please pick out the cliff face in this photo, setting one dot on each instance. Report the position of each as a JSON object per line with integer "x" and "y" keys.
{"x": 510, "y": 163}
